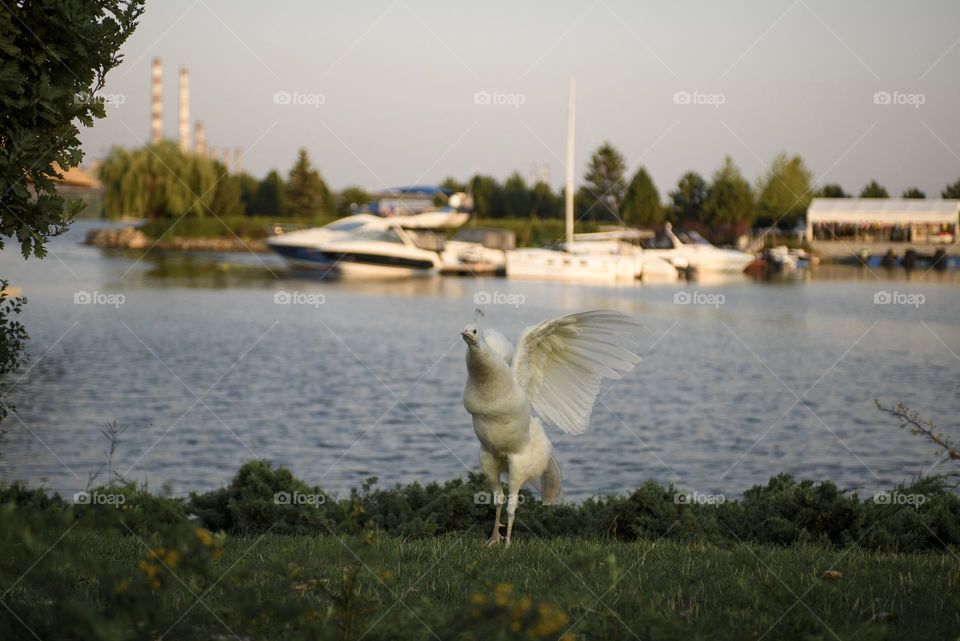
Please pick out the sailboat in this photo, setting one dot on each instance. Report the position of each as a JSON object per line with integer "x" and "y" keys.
{"x": 573, "y": 262}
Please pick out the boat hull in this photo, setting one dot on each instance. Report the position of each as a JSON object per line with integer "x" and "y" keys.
{"x": 353, "y": 264}
{"x": 544, "y": 264}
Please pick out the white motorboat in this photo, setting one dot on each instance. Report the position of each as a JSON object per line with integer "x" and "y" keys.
{"x": 363, "y": 245}
{"x": 478, "y": 249}
{"x": 627, "y": 242}
{"x": 693, "y": 252}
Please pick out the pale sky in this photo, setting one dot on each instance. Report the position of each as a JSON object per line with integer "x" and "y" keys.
{"x": 397, "y": 83}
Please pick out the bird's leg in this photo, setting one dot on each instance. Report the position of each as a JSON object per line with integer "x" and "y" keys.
{"x": 498, "y": 501}
{"x": 511, "y": 510}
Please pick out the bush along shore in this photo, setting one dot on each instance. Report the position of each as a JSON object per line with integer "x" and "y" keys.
{"x": 248, "y": 233}
{"x": 271, "y": 557}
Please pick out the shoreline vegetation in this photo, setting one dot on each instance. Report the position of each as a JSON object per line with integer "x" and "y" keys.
{"x": 275, "y": 558}
{"x": 248, "y": 233}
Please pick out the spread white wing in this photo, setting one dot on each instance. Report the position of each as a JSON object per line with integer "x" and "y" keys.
{"x": 560, "y": 362}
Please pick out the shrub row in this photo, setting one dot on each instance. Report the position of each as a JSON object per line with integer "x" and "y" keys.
{"x": 262, "y": 498}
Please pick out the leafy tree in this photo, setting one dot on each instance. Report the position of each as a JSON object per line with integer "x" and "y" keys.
{"x": 874, "y": 190}
{"x": 784, "y": 193}
{"x": 517, "y": 198}
{"x": 248, "y": 191}
{"x": 159, "y": 181}
{"x": 602, "y": 194}
{"x": 951, "y": 191}
{"x": 227, "y": 195}
{"x": 729, "y": 198}
{"x": 546, "y": 203}
{"x": 453, "y": 184}
{"x": 270, "y": 197}
{"x": 54, "y": 56}
{"x": 641, "y": 203}
{"x": 13, "y": 341}
{"x": 688, "y": 198}
{"x": 349, "y": 197}
{"x": 913, "y": 192}
{"x": 488, "y": 198}
{"x": 832, "y": 190}
{"x": 307, "y": 194}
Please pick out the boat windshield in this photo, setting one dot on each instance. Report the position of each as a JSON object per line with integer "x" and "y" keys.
{"x": 693, "y": 238}
{"x": 660, "y": 241}
{"x": 378, "y": 233}
{"x": 345, "y": 224}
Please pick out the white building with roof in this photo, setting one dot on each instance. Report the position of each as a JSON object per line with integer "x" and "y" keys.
{"x": 899, "y": 223}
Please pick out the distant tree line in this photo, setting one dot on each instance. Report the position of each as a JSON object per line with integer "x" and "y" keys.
{"x": 161, "y": 181}
{"x": 724, "y": 206}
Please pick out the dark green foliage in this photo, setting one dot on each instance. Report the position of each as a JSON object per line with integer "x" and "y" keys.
{"x": 786, "y": 511}
{"x": 13, "y": 343}
{"x": 227, "y": 195}
{"x": 832, "y": 190}
{"x": 641, "y": 204}
{"x": 951, "y": 191}
{"x": 306, "y": 193}
{"x": 688, "y": 198}
{"x": 517, "y": 197}
{"x": 253, "y": 503}
{"x": 913, "y": 192}
{"x": 248, "y": 191}
{"x": 935, "y": 523}
{"x": 601, "y": 196}
{"x": 784, "y": 193}
{"x": 351, "y": 197}
{"x": 161, "y": 181}
{"x": 54, "y": 56}
{"x": 270, "y": 199}
{"x": 488, "y": 197}
{"x": 729, "y": 198}
{"x": 783, "y": 512}
{"x": 874, "y": 190}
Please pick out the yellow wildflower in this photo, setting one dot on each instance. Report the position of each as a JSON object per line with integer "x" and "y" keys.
{"x": 170, "y": 558}
{"x": 204, "y": 535}
{"x": 501, "y": 593}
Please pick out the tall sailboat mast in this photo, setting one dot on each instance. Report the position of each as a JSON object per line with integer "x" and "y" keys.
{"x": 568, "y": 191}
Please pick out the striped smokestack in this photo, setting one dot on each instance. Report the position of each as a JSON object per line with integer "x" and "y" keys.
{"x": 214, "y": 153}
{"x": 156, "y": 102}
{"x": 184, "y": 109}
{"x": 236, "y": 160}
{"x": 225, "y": 159}
{"x": 199, "y": 139}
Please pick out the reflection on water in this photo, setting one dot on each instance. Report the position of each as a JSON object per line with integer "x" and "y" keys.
{"x": 209, "y": 371}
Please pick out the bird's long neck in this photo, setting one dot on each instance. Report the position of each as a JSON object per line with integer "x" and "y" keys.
{"x": 482, "y": 363}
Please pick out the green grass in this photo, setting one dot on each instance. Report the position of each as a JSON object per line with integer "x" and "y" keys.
{"x": 536, "y": 233}
{"x": 390, "y": 588}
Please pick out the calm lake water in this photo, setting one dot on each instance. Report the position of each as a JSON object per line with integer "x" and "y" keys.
{"x": 208, "y": 372}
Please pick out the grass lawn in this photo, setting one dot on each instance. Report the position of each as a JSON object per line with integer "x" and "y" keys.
{"x": 455, "y": 587}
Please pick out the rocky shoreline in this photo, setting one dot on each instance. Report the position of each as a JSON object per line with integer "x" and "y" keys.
{"x": 130, "y": 237}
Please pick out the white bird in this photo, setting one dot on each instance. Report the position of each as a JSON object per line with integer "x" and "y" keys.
{"x": 554, "y": 377}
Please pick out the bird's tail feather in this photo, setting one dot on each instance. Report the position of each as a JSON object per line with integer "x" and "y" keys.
{"x": 551, "y": 482}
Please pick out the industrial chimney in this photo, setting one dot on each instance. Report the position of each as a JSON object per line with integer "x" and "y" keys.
{"x": 214, "y": 153}
{"x": 199, "y": 139}
{"x": 236, "y": 160}
{"x": 225, "y": 159}
{"x": 184, "y": 109}
{"x": 156, "y": 102}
